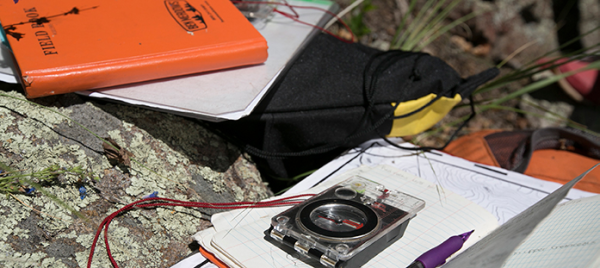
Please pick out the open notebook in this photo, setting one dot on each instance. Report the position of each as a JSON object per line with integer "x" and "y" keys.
{"x": 518, "y": 202}
{"x": 237, "y": 237}
{"x": 569, "y": 237}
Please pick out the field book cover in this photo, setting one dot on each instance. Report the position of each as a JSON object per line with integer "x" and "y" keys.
{"x": 64, "y": 46}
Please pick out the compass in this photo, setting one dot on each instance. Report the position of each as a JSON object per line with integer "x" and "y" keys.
{"x": 338, "y": 219}
{"x": 345, "y": 225}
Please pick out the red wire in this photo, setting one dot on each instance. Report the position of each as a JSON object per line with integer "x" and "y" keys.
{"x": 160, "y": 202}
{"x": 296, "y": 17}
{"x": 285, "y": 3}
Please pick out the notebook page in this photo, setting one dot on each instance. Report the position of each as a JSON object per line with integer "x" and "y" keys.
{"x": 239, "y": 219}
{"x": 445, "y": 214}
{"x": 569, "y": 237}
{"x": 493, "y": 250}
{"x": 502, "y": 192}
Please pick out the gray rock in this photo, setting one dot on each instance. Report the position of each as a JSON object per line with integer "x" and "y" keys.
{"x": 543, "y": 113}
{"x": 172, "y": 155}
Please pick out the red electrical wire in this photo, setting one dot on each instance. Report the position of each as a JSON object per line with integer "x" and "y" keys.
{"x": 160, "y": 202}
{"x": 296, "y": 17}
{"x": 166, "y": 202}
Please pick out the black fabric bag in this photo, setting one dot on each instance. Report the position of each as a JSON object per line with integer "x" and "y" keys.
{"x": 337, "y": 95}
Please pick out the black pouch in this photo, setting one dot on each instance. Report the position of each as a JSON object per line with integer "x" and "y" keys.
{"x": 337, "y": 95}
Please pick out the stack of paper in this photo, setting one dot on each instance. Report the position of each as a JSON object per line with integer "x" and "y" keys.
{"x": 233, "y": 93}
{"x": 237, "y": 237}
{"x": 220, "y": 95}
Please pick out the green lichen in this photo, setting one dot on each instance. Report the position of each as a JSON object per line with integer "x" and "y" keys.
{"x": 123, "y": 247}
{"x": 121, "y": 244}
{"x": 37, "y": 144}
{"x": 20, "y": 233}
{"x": 11, "y": 259}
{"x": 72, "y": 234}
{"x": 158, "y": 165}
{"x": 33, "y": 110}
{"x": 179, "y": 218}
{"x": 238, "y": 193}
{"x": 60, "y": 218}
{"x": 252, "y": 180}
{"x": 52, "y": 262}
{"x": 12, "y": 213}
{"x": 151, "y": 173}
{"x": 99, "y": 261}
{"x": 215, "y": 178}
{"x": 85, "y": 240}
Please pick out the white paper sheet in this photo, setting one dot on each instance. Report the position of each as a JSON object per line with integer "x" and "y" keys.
{"x": 569, "y": 237}
{"x": 503, "y": 193}
{"x": 8, "y": 71}
{"x": 226, "y": 94}
{"x": 442, "y": 217}
{"x": 494, "y": 249}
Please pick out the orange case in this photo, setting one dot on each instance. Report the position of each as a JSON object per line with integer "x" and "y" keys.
{"x": 552, "y": 165}
{"x": 63, "y": 46}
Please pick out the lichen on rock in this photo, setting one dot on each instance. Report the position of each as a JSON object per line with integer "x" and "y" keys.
{"x": 173, "y": 156}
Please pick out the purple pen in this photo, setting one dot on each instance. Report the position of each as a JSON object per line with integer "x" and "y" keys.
{"x": 438, "y": 255}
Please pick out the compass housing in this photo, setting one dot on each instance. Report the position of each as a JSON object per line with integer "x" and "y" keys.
{"x": 347, "y": 224}
{"x": 338, "y": 219}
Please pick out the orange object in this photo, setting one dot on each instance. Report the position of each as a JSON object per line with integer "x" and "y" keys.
{"x": 561, "y": 165}
{"x": 212, "y": 258}
{"x": 63, "y": 46}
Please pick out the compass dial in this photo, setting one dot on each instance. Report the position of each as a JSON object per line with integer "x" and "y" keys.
{"x": 338, "y": 218}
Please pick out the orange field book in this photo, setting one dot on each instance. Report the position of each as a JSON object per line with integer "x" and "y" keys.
{"x": 62, "y": 46}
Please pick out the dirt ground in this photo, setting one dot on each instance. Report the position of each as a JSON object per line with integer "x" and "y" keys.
{"x": 501, "y": 28}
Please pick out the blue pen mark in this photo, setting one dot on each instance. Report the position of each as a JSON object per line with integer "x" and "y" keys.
{"x": 82, "y": 192}
{"x": 16, "y": 1}
{"x": 154, "y": 194}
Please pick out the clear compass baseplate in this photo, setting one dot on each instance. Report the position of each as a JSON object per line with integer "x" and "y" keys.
{"x": 347, "y": 224}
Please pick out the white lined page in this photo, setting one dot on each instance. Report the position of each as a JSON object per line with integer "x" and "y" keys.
{"x": 569, "y": 237}
{"x": 444, "y": 215}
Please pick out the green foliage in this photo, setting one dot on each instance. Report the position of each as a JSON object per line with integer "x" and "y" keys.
{"x": 356, "y": 21}
{"x": 532, "y": 68}
{"x": 430, "y": 22}
{"x": 13, "y": 181}
{"x": 427, "y": 25}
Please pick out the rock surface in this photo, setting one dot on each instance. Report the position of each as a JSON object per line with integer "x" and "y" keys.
{"x": 173, "y": 156}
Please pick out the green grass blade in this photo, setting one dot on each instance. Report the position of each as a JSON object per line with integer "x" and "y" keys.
{"x": 530, "y": 71}
{"x": 543, "y": 83}
{"x": 569, "y": 122}
{"x": 446, "y": 28}
{"x": 395, "y": 40}
{"x": 86, "y": 129}
{"x": 434, "y": 24}
{"x": 566, "y": 44}
{"x": 422, "y": 28}
{"x": 413, "y": 24}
